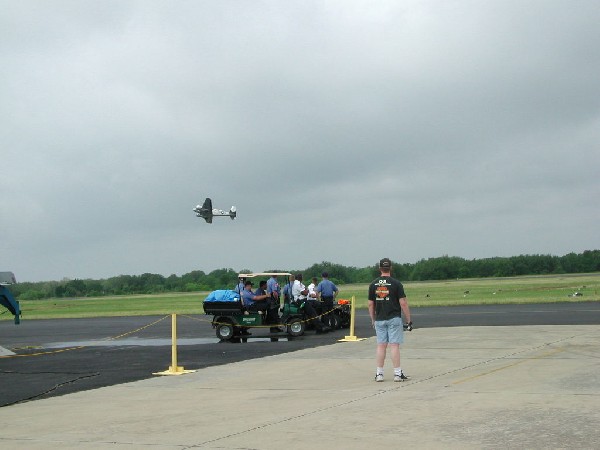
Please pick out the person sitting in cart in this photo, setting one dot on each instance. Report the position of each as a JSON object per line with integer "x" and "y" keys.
{"x": 262, "y": 286}
{"x": 255, "y": 303}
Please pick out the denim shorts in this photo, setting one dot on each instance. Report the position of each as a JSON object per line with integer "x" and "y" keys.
{"x": 389, "y": 331}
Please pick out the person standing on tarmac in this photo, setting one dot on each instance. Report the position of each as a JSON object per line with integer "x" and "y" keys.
{"x": 299, "y": 293}
{"x": 313, "y": 297}
{"x": 273, "y": 290}
{"x": 387, "y": 302}
{"x": 328, "y": 291}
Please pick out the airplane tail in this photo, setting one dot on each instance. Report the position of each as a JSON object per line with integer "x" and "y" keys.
{"x": 232, "y": 212}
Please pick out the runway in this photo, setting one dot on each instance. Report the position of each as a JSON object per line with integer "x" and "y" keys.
{"x": 57, "y": 357}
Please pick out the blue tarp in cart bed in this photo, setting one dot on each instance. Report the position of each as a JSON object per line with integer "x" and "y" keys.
{"x": 222, "y": 302}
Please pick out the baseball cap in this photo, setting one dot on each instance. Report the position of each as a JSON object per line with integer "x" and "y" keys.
{"x": 385, "y": 263}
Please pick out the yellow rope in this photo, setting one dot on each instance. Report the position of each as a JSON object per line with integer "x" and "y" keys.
{"x": 84, "y": 346}
{"x": 253, "y": 326}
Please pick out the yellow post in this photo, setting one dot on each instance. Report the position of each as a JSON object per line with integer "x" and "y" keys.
{"x": 174, "y": 369}
{"x": 352, "y": 338}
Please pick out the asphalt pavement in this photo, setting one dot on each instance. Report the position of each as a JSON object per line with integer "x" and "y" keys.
{"x": 47, "y": 358}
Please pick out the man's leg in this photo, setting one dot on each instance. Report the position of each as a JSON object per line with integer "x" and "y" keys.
{"x": 273, "y": 316}
{"x": 312, "y": 315}
{"x": 318, "y": 321}
{"x": 395, "y": 354}
{"x": 381, "y": 349}
{"x": 263, "y": 307}
{"x": 328, "y": 306}
{"x": 396, "y": 334}
{"x": 381, "y": 330}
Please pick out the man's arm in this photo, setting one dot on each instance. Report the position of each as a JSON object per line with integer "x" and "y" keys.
{"x": 253, "y": 297}
{"x": 405, "y": 309}
{"x": 372, "y": 312}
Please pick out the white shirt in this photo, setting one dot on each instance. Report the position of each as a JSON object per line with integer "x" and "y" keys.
{"x": 312, "y": 294}
{"x": 297, "y": 289}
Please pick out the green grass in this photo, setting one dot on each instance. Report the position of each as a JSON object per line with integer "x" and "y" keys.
{"x": 546, "y": 289}
{"x": 126, "y": 305}
{"x": 482, "y": 291}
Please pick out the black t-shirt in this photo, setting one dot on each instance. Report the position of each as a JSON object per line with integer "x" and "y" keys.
{"x": 386, "y": 292}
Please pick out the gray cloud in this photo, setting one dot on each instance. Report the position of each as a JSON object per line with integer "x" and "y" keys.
{"x": 342, "y": 131}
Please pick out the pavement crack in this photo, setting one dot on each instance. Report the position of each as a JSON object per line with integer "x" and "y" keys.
{"x": 53, "y": 388}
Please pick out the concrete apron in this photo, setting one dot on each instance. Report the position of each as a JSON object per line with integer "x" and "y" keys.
{"x": 476, "y": 387}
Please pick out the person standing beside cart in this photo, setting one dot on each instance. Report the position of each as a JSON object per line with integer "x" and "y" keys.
{"x": 313, "y": 296}
{"x": 328, "y": 291}
{"x": 273, "y": 289}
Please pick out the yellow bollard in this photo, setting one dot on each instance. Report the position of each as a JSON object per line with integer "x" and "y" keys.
{"x": 174, "y": 369}
{"x": 352, "y": 337}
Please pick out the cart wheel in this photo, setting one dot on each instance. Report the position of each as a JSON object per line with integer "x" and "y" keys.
{"x": 295, "y": 327}
{"x": 344, "y": 319}
{"x": 335, "y": 322}
{"x": 224, "y": 331}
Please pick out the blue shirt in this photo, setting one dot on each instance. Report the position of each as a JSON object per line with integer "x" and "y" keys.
{"x": 272, "y": 286}
{"x": 248, "y": 297}
{"x": 239, "y": 288}
{"x": 327, "y": 288}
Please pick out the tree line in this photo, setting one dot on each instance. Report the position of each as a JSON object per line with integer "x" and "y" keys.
{"x": 439, "y": 268}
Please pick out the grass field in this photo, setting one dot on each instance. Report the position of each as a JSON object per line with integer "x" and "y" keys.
{"x": 539, "y": 289}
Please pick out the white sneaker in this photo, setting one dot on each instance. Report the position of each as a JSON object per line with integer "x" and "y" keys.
{"x": 379, "y": 377}
{"x": 400, "y": 377}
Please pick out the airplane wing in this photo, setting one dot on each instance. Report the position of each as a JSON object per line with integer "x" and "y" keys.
{"x": 207, "y": 205}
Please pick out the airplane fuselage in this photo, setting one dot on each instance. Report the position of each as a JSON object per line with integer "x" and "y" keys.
{"x": 207, "y": 212}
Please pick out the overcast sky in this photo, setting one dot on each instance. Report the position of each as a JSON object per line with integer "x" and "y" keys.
{"x": 343, "y": 131}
